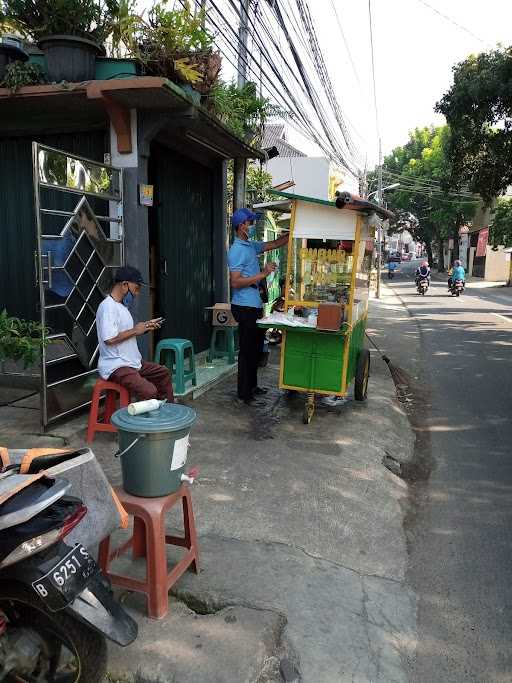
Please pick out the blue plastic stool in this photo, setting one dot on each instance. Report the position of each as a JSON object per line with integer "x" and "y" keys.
{"x": 178, "y": 348}
{"x": 230, "y": 344}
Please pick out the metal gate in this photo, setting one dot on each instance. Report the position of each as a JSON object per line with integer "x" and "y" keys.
{"x": 79, "y": 213}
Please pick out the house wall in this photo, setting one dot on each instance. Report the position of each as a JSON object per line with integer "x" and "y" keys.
{"x": 310, "y": 174}
{"x": 497, "y": 265}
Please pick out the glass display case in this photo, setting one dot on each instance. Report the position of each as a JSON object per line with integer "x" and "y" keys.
{"x": 320, "y": 270}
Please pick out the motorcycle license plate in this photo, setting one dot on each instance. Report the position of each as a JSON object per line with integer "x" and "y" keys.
{"x": 67, "y": 579}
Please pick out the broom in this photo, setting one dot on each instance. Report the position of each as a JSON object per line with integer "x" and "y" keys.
{"x": 399, "y": 376}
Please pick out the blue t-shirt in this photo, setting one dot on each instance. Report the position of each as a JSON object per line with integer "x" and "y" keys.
{"x": 243, "y": 258}
{"x": 458, "y": 273}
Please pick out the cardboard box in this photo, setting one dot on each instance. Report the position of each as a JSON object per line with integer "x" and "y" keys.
{"x": 222, "y": 316}
{"x": 330, "y": 316}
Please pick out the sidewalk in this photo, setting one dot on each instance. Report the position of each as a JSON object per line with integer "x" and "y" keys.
{"x": 303, "y": 553}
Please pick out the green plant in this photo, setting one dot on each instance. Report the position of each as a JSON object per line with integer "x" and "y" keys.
{"x": 19, "y": 74}
{"x": 178, "y": 31}
{"x": 173, "y": 43}
{"x": 21, "y": 340}
{"x": 93, "y": 19}
{"x": 259, "y": 182}
{"x": 240, "y": 109}
{"x": 501, "y": 229}
{"x": 478, "y": 109}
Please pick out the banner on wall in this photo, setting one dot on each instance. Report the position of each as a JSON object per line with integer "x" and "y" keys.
{"x": 483, "y": 238}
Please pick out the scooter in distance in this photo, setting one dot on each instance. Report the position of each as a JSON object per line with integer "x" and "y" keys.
{"x": 56, "y": 608}
{"x": 422, "y": 286}
{"x": 457, "y": 287}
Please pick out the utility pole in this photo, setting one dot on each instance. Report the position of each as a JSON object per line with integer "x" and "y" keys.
{"x": 240, "y": 165}
{"x": 379, "y": 230}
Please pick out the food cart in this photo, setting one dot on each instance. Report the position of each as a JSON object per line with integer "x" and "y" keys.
{"x": 330, "y": 257}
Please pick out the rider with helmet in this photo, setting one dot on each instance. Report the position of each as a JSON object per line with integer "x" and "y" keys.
{"x": 422, "y": 273}
{"x": 458, "y": 273}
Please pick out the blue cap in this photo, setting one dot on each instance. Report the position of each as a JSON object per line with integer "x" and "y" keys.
{"x": 242, "y": 215}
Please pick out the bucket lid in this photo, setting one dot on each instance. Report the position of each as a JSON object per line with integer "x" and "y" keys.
{"x": 171, "y": 417}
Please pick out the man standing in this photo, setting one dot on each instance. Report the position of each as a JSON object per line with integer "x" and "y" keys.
{"x": 120, "y": 360}
{"x": 246, "y": 303}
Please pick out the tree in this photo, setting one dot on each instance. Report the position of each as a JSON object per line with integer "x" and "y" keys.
{"x": 478, "y": 108}
{"x": 422, "y": 207}
{"x": 501, "y": 230}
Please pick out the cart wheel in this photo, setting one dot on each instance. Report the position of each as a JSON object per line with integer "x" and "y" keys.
{"x": 309, "y": 409}
{"x": 362, "y": 375}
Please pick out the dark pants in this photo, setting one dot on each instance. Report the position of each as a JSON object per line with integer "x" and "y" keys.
{"x": 251, "y": 340}
{"x": 151, "y": 381}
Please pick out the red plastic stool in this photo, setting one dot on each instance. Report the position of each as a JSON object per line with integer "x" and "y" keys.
{"x": 149, "y": 540}
{"x": 112, "y": 390}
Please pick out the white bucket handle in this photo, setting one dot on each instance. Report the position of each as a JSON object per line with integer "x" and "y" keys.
{"x": 118, "y": 454}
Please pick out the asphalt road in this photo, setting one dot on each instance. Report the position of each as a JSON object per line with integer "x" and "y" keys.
{"x": 460, "y": 537}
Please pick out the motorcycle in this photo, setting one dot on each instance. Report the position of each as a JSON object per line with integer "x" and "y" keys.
{"x": 56, "y": 608}
{"x": 457, "y": 287}
{"x": 422, "y": 286}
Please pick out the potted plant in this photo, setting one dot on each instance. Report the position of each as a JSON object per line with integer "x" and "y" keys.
{"x": 20, "y": 340}
{"x": 11, "y": 50}
{"x": 71, "y": 33}
{"x": 175, "y": 43}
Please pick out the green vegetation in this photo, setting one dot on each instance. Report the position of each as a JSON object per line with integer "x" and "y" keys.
{"x": 478, "y": 108}
{"x": 20, "y": 340}
{"x": 173, "y": 43}
{"x": 240, "y": 109}
{"x": 500, "y": 233}
{"x": 92, "y": 19}
{"x": 19, "y": 74}
{"x": 422, "y": 206}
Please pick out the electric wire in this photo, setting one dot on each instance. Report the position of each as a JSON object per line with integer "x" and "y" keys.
{"x": 309, "y": 87}
{"x": 372, "y": 50}
{"x": 298, "y": 110}
{"x": 345, "y": 42}
{"x": 303, "y": 121}
{"x": 455, "y": 23}
{"x": 310, "y": 92}
{"x": 312, "y": 50}
{"x": 324, "y": 74}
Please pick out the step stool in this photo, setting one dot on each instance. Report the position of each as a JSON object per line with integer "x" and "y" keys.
{"x": 149, "y": 540}
{"x": 230, "y": 342}
{"x": 113, "y": 392}
{"x": 178, "y": 348}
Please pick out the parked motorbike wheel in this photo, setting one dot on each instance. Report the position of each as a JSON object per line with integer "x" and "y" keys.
{"x": 64, "y": 650}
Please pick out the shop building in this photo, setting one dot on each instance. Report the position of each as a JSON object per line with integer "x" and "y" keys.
{"x": 155, "y": 198}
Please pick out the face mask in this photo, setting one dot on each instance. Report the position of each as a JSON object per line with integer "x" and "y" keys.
{"x": 251, "y": 233}
{"x": 128, "y": 298}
